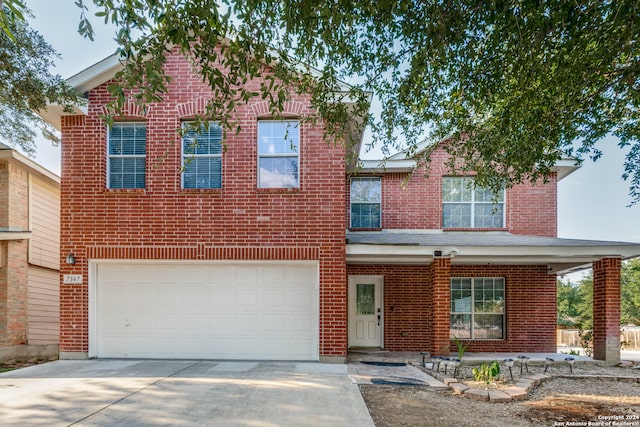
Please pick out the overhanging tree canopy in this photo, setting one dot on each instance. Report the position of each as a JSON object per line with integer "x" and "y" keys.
{"x": 515, "y": 85}
{"x": 27, "y": 82}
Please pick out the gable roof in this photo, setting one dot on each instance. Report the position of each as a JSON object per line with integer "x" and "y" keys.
{"x": 486, "y": 247}
{"x": 404, "y": 161}
{"x": 11, "y": 155}
{"x": 106, "y": 69}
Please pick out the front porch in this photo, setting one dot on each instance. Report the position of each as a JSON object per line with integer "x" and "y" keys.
{"x": 416, "y": 269}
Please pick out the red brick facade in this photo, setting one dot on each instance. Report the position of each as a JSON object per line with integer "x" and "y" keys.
{"x": 163, "y": 221}
{"x": 416, "y": 306}
{"x": 606, "y": 309}
{"x": 414, "y": 201}
{"x": 243, "y": 222}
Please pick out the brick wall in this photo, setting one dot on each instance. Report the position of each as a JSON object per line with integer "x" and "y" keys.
{"x": 606, "y": 310}
{"x": 415, "y": 201}
{"x": 415, "y": 298}
{"x": 407, "y": 311}
{"x": 530, "y": 307}
{"x": 164, "y": 221}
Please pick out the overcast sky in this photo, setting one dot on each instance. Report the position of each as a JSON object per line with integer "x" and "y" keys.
{"x": 592, "y": 202}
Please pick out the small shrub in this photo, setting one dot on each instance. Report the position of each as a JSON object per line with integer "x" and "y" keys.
{"x": 461, "y": 347}
{"x": 486, "y": 372}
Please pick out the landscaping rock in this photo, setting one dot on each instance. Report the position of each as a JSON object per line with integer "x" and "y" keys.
{"x": 516, "y": 393}
{"x": 458, "y": 388}
{"x": 448, "y": 381}
{"x": 475, "y": 394}
{"x": 526, "y": 384}
{"x": 499, "y": 396}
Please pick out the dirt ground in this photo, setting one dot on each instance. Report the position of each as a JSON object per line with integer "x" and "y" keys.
{"x": 556, "y": 402}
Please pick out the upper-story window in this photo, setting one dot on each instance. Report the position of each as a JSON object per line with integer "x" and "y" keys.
{"x": 366, "y": 200}
{"x": 278, "y": 154}
{"x": 202, "y": 157}
{"x": 466, "y": 207}
{"x": 126, "y": 162}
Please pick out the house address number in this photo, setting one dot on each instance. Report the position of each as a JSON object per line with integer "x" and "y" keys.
{"x": 72, "y": 279}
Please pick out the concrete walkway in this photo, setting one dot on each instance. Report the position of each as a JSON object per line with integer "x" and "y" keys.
{"x": 181, "y": 393}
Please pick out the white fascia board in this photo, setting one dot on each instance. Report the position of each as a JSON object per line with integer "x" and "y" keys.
{"x": 382, "y": 166}
{"x": 33, "y": 167}
{"x": 96, "y": 74}
{"x": 565, "y": 167}
{"x": 15, "y": 235}
{"x": 53, "y": 113}
{"x": 560, "y": 258}
{"x": 604, "y": 251}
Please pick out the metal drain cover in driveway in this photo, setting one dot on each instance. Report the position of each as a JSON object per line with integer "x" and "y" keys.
{"x": 399, "y": 381}
{"x": 385, "y": 363}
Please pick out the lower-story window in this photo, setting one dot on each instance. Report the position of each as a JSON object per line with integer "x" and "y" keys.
{"x": 477, "y": 308}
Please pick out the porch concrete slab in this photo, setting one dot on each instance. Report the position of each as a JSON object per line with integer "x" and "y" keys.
{"x": 180, "y": 393}
{"x": 363, "y": 373}
{"x": 534, "y": 358}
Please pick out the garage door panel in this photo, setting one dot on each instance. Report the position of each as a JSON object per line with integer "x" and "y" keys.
{"x": 300, "y": 324}
{"x": 223, "y": 300}
{"x": 248, "y": 299}
{"x": 274, "y": 324}
{"x": 227, "y": 311}
{"x": 247, "y": 323}
{"x": 220, "y": 274}
{"x": 276, "y": 299}
{"x": 274, "y": 275}
{"x": 247, "y": 275}
{"x": 302, "y": 275}
{"x": 302, "y": 301}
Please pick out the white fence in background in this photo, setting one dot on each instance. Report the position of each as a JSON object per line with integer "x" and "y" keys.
{"x": 630, "y": 336}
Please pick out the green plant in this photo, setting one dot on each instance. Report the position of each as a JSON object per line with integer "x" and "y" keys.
{"x": 461, "y": 347}
{"x": 572, "y": 352}
{"x": 486, "y": 372}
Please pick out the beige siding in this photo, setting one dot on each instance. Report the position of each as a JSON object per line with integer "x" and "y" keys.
{"x": 44, "y": 219}
{"x": 43, "y": 306}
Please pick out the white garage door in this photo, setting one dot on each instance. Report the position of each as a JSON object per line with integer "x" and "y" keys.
{"x": 266, "y": 311}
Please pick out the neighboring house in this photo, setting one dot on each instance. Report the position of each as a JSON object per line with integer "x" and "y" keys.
{"x": 29, "y": 258}
{"x": 272, "y": 249}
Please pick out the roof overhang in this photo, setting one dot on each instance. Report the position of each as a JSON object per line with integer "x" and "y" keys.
{"x": 9, "y": 234}
{"x": 8, "y": 154}
{"x": 482, "y": 248}
{"x": 87, "y": 79}
{"x": 386, "y": 166}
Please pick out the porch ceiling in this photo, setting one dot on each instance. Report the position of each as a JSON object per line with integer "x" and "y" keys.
{"x": 497, "y": 248}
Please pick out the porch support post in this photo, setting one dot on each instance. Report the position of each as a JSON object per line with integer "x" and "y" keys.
{"x": 440, "y": 305}
{"x": 606, "y": 310}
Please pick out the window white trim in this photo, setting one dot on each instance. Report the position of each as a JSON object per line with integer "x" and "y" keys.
{"x": 124, "y": 156}
{"x": 472, "y": 312}
{"x": 472, "y": 203}
{"x": 195, "y": 156}
{"x": 353, "y": 202}
{"x": 285, "y": 154}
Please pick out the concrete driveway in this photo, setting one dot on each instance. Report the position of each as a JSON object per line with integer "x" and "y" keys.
{"x": 181, "y": 393}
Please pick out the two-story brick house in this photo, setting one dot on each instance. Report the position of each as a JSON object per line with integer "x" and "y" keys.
{"x": 272, "y": 249}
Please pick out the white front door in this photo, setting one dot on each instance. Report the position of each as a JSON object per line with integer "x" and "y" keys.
{"x": 365, "y": 311}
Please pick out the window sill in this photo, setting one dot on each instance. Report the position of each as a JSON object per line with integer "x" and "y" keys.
{"x": 125, "y": 190}
{"x": 366, "y": 229}
{"x": 201, "y": 190}
{"x": 278, "y": 190}
{"x": 474, "y": 229}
